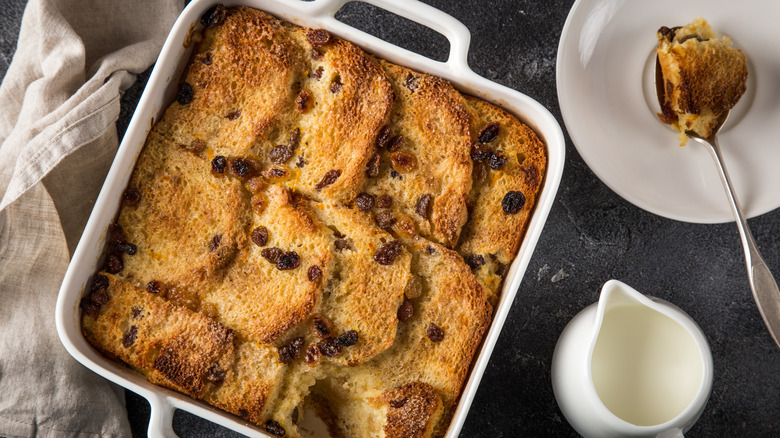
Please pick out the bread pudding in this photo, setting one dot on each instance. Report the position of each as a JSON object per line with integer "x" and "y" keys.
{"x": 703, "y": 77}
{"x": 310, "y": 226}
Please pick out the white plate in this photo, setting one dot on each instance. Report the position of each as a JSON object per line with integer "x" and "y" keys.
{"x": 607, "y": 98}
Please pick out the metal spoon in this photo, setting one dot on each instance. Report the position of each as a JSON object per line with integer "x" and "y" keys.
{"x": 762, "y": 283}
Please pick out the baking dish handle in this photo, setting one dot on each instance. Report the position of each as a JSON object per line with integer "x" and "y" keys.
{"x": 161, "y": 418}
{"x": 456, "y": 32}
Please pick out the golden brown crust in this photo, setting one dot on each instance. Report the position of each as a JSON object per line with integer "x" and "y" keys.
{"x": 413, "y": 410}
{"x": 431, "y": 117}
{"x": 492, "y": 236}
{"x": 703, "y": 76}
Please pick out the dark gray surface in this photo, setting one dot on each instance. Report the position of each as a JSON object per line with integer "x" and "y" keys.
{"x": 591, "y": 235}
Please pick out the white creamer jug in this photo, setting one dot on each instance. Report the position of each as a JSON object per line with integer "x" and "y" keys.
{"x": 631, "y": 366}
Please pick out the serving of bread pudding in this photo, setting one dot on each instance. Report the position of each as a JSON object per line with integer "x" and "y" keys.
{"x": 310, "y": 226}
{"x": 703, "y": 77}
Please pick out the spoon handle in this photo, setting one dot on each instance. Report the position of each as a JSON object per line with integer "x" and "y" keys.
{"x": 762, "y": 283}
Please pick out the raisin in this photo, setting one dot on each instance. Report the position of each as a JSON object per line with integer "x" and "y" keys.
{"x": 384, "y": 201}
{"x": 329, "y": 347}
{"x": 395, "y": 174}
{"x": 216, "y": 375}
{"x": 129, "y": 338}
{"x": 213, "y": 16}
{"x": 302, "y": 101}
{"x": 480, "y": 153}
{"x": 154, "y": 287}
{"x": 395, "y": 143}
{"x": 114, "y": 264}
{"x": 383, "y": 138}
{"x": 316, "y": 54}
{"x": 335, "y": 86}
{"x": 385, "y": 220}
{"x": 99, "y": 296}
{"x": 296, "y": 346}
{"x": 100, "y": 282}
{"x": 274, "y": 428}
{"x": 116, "y": 233}
{"x": 413, "y": 288}
{"x": 131, "y": 197}
{"x": 285, "y": 354}
{"x": 240, "y": 167}
{"x": 280, "y": 154}
{"x": 214, "y": 242}
{"x": 206, "y": 59}
{"x": 127, "y": 248}
{"x": 398, "y": 404}
{"x": 275, "y": 173}
{"x": 365, "y": 201}
{"x": 312, "y": 354}
{"x": 513, "y": 202}
{"x": 341, "y": 244}
{"x": 321, "y": 327}
{"x": 330, "y": 177}
{"x": 475, "y": 261}
{"x": 423, "y": 205}
{"x": 405, "y": 311}
{"x": 373, "y": 166}
{"x": 318, "y": 73}
{"x": 430, "y": 250}
{"x": 233, "y": 115}
{"x": 295, "y": 139}
{"x": 411, "y": 82}
{"x": 272, "y": 254}
{"x": 218, "y": 164}
{"x": 184, "y": 95}
{"x": 137, "y": 312}
{"x": 314, "y": 272}
{"x": 387, "y": 254}
{"x": 318, "y": 37}
{"x": 90, "y": 307}
{"x": 497, "y": 161}
{"x": 403, "y": 162}
{"x": 260, "y": 236}
{"x": 348, "y": 338}
{"x": 434, "y": 333}
{"x": 287, "y": 261}
{"x": 197, "y": 146}
{"x": 489, "y": 133}
{"x": 301, "y": 162}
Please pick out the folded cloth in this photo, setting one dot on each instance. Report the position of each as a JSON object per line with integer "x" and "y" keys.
{"x": 59, "y": 103}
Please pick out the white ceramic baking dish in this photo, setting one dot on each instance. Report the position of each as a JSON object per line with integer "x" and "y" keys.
{"x": 160, "y": 91}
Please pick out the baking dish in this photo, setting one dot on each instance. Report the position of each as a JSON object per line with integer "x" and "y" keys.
{"x": 160, "y": 91}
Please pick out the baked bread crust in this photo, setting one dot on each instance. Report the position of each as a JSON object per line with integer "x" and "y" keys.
{"x": 256, "y": 265}
{"x": 704, "y": 76}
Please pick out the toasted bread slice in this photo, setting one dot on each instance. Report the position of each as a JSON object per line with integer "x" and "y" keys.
{"x": 182, "y": 350}
{"x": 261, "y": 297}
{"x": 426, "y": 363}
{"x": 188, "y": 225}
{"x": 703, "y": 77}
{"x": 345, "y": 99}
{"x": 505, "y": 190}
{"x": 424, "y": 164}
{"x": 238, "y": 86}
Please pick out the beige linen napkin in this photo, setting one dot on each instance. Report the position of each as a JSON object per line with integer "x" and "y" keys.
{"x": 59, "y": 103}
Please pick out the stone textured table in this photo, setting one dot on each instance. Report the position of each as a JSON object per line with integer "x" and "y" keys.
{"x": 592, "y": 235}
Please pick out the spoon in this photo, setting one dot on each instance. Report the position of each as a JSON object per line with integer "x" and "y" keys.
{"x": 762, "y": 283}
